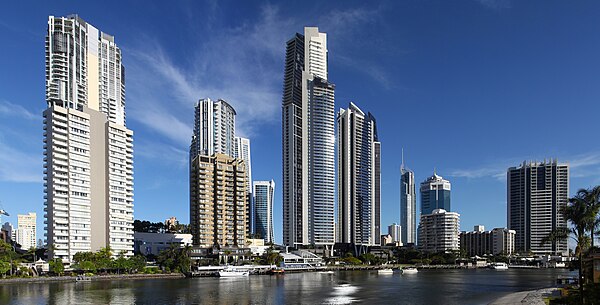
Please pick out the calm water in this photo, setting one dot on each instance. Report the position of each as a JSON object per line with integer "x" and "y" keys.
{"x": 426, "y": 287}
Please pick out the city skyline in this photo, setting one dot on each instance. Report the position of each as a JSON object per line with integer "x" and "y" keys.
{"x": 477, "y": 177}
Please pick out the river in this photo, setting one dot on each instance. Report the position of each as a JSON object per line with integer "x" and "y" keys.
{"x": 344, "y": 287}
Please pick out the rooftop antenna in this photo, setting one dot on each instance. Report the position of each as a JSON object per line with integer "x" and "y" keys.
{"x": 402, "y": 165}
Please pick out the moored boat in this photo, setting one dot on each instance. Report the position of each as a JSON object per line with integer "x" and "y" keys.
{"x": 231, "y": 272}
{"x": 409, "y": 270}
{"x": 499, "y": 266}
{"x": 385, "y": 271}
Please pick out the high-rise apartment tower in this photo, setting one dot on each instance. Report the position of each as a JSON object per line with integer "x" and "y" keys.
{"x": 359, "y": 173}
{"x": 537, "y": 192}
{"x": 308, "y": 145}
{"x": 88, "y": 149}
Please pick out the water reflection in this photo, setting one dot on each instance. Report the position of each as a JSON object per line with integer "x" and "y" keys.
{"x": 426, "y": 287}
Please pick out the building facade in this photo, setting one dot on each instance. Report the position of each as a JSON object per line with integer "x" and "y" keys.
{"x": 308, "y": 118}
{"x": 395, "y": 231}
{"x": 154, "y": 243}
{"x": 11, "y": 233}
{"x": 435, "y": 194}
{"x": 26, "y": 231}
{"x": 439, "y": 231}
{"x": 241, "y": 150}
{"x": 499, "y": 241}
{"x": 358, "y": 175}
{"x": 214, "y": 129}
{"x": 218, "y": 204}
{"x": 88, "y": 149}
{"x": 263, "y": 210}
{"x": 408, "y": 205}
{"x": 536, "y": 193}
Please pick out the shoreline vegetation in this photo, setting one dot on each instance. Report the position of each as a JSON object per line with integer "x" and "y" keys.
{"x": 65, "y": 278}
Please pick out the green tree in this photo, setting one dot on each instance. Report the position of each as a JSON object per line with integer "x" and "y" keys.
{"x": 581, "y": 213}
{"x": 4, "y": 267}
{"x": 56, "y": 266}
{"x": 137, "y": 263}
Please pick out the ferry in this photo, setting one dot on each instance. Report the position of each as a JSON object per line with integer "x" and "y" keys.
{"x": 231, "y": 272}
{"x": 409, "y": 270}
{"x": 499, "y": 266}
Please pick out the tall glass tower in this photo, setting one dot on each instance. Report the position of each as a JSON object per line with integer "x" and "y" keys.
{"x": 408, "y": 206}
{"x": 435, "y": 194}
{"x": 263, "y": 213}
{"x": 358, "y": 173}
{"x": 308, "y": 142}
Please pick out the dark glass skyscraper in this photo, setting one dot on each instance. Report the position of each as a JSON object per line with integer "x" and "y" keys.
{"x": 536, "y": 193}
{"x": 435, "y": 194}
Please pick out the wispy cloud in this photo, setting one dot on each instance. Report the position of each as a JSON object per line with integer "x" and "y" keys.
{"x": 15, "y": 110}
{"x": 580, "y": 166}
{"x": 19, "y": 166}
{"x": 493, "y": 172}
{"x": 166, "y": 153}
{"x": 242, "y": 65}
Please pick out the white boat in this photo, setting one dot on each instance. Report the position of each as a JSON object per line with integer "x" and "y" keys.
{"x": 499, "y": 266}
{"x": 385, "y": 271}
{"x": 409, "y": 270}
{"x": 326, "y": 272}
{"x": 231, "y": 272}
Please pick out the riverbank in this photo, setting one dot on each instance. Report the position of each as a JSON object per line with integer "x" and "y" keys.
{"x": 49, "y": 279}
{"x": 531, "y": 297}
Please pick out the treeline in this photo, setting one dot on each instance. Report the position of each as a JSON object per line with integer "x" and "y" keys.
{"x": 102, "y": 261}
{"x": 145, "y": 226}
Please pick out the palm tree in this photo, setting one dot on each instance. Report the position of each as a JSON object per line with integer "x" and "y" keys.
{"x": 581, "y": 213}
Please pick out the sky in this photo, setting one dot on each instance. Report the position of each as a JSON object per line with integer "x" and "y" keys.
{"x": 467, "y": 87}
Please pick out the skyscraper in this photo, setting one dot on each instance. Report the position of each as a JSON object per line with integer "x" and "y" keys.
{"x": 408, "y": 206}
{"x": 241, "y": 150}
{"x": 88, "y": 149}
{"x": 358, "y": 178}
{"x": 308, "y": 118}
{"x": 435, "y": 194}
{"x": 214, "y": 129}
{"x": 263, "y": 202}
{"x": 26, "y": 230}
{"x": 395, "y": 231}
{"x": 536, "y": 193}
{"x": 218, "y": 204}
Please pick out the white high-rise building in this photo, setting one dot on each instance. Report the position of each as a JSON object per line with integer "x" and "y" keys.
{"x": 263, "y": 213}
{"x": 214, "y": 129}
{"x": 88, "y": 149}
{"x": 358, "y": 171}
{"x": 308, "y": 146}
{"x": 439, "y": 231}
{"x": 241, "y": 150}
{"x": 408, "y": 204}
{"x": 26, "y": 230}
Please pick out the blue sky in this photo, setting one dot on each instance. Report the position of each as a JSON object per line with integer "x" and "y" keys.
{"x": 467, "y": 87}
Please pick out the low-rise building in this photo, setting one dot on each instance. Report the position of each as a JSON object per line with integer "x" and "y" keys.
{"x": 153, "y": 243}
{"x": 495, "y": 242}
{"x": 439, "y": 231}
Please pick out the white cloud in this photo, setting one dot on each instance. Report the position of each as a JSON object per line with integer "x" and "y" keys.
{"x": 242, "y": 65}
{"x": 580, "y": 166}
{"x": 19, "y": 166}
{"x": 15, "y": 110}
